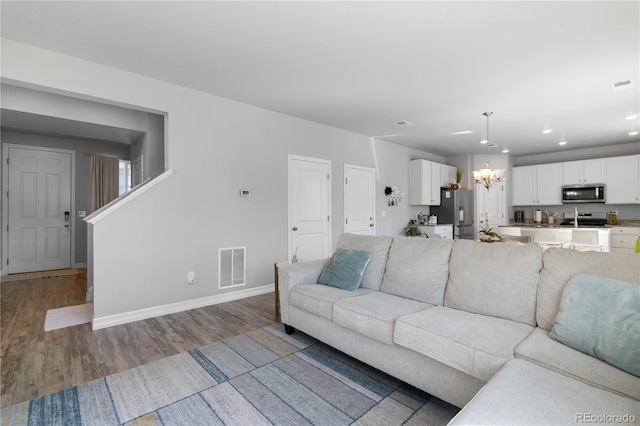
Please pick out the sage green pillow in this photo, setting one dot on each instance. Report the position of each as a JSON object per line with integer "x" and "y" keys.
{"x": 345, "y": 269}
{"x": 601, "y": 317}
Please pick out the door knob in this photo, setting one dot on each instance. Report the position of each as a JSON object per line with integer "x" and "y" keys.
{"x": 295, "y": 228}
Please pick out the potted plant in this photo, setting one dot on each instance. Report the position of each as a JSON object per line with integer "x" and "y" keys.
{"x": 487, "y": 234}
{"x": 458, "y": 177}
{"x": 411, "y": 230}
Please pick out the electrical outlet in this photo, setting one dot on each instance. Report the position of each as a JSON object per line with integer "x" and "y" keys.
{"x": 191, "y": 277}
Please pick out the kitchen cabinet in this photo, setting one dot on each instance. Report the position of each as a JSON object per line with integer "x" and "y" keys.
{"x": 447, "y": 175}
{"x": 623, "y": 180}
{"x": 584, "y": 172}
{"x": 623, "y": 239}
{"x": 424, "y": 183}
{"x": 443, "y": 231}
{"x": 537, "y": 185}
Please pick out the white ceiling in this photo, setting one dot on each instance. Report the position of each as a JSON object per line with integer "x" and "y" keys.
{"x": 364, "y": 66}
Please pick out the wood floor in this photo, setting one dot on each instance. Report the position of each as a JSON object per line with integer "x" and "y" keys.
{"x": 36, "y": 363}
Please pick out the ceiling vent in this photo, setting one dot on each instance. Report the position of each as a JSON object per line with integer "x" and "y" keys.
{"x": 492, "y": 145}
{"x": 623, "y": 85}
{"x": 404, "y": 123}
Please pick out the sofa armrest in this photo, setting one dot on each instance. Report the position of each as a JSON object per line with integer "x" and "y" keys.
{"x": 292, "y": 274}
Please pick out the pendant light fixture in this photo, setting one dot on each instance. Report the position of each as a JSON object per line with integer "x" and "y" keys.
{"x": 487, "y": 176}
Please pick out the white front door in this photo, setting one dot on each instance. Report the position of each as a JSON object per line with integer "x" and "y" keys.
{"x": 359, "y": 200}
{"x": 39, "y": 210}
{"x": 309, "y": 207}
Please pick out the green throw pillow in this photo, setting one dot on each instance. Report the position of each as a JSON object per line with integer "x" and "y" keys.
{"x": 601, "y": 317}
{"x": 345, "y": 269}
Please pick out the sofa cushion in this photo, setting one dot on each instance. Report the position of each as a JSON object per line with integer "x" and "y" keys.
{"x": 478, "y": 345}
{"x": 539, "y": 348}
{"x": 601, "y": 317}
{"x": 523, "y": 393}
{"x": 374, "y": 314}
{"x": 345, "y": 269}
{"x": 561, "y": 264}
{"x": 379, "y": 248}
{"x": 318, "y": 299}
{"x": 498, "y": 279}
{"x": 418, "y": 268}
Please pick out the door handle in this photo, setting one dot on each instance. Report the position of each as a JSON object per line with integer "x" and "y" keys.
{"x": 295, "y": 228}
{"x": 371, "y": 225}
{"x": 66, "y": 215}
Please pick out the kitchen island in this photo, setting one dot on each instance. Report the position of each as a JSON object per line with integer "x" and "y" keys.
{"x": 562, "y": 233}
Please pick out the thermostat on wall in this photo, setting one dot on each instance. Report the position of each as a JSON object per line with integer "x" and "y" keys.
{"x": 245, "y": 193}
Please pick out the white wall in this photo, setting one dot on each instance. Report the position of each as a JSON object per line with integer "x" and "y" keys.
{"x": 215, "y": 147}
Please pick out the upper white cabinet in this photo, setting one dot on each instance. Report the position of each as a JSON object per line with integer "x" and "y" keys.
{"x": 424, "y": 183}
{"x": 623, "y": 180}
{"x": 537, "y": 185}
{"x": 584, "y": 172}
{"x": 447, "y": 175}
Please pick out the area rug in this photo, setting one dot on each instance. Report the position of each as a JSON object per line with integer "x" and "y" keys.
{"x": 68, "y": 316}
{"x": 259, "y": 378}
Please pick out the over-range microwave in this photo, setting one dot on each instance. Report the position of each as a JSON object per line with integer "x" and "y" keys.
{"x": 593, "y": 193}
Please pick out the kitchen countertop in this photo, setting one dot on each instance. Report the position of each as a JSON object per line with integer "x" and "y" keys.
{"x": 439, "y": 224}
{"x": 621, "y": 223}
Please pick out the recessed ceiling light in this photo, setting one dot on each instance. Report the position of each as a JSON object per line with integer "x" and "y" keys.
{"x": 562, "y": 143}
{"x": 547, "y": 131}
{"x": 634, "y": 133}
{"x": 404, "y": 123}
{"x": 504, "y": 151}
{"x": 463, "y": 132}
{"x": 631, "y": 117}
{"x": 483, "y": 141}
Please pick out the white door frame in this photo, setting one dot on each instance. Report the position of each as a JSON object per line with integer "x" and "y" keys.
{"x": 373, "y": 190}
{"x": 5, "y": 203}
{"x": 290, "y": 158}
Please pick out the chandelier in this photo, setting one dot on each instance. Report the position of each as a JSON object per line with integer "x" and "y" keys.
{"x": 488, "y": 176}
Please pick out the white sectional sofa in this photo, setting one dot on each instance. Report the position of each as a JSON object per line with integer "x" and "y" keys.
{"x": 468, "y": 322}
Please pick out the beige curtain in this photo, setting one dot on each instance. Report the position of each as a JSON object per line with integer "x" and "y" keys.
{"x": 104, "y": 180}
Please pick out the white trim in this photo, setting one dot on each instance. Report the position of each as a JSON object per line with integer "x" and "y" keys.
{"x": 125, "y": 198}
{"x": 156, "y": 311}
{"x": 5, "y": 205}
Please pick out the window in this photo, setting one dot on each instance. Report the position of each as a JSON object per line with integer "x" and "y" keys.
{"x": 124, "y": 177}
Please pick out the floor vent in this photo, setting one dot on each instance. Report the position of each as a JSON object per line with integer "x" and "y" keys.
{"x": 231, "y": 270}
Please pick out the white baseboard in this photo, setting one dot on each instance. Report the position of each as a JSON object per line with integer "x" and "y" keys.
{"x": 156, "y": 311}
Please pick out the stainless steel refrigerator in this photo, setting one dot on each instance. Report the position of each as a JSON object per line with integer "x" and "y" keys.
{"x": 456, "y": 207}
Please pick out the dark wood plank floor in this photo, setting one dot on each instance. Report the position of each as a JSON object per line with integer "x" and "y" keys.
{"x": 36, "y": 363}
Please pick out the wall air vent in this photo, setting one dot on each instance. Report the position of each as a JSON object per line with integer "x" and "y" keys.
{"x": 231, "y": 267}
{"x": 623, "y": 85}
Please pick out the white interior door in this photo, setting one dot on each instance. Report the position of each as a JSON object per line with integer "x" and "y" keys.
{"x": 492, "y": 202}
{"x": 39, "y": 210}
{"x": 359, "y": 200}
{"x": 309, "y": 207}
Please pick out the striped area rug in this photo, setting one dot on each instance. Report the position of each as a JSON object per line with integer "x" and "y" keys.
{"x": 259, "y": 378}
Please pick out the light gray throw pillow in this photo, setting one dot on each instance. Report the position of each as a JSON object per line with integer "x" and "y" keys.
{"x": 601, "y": 317}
